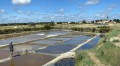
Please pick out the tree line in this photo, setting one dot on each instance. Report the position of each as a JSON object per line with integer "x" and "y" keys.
{"x": 52, "y": 22}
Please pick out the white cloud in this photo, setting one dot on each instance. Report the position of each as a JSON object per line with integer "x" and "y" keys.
{"x": 52, "y": 17}
{"x": 82, "y": 7}
{"x": 21, "y": 2}
{"x": 106, "y": 12}
{"x": 19, "y": 11}
{"x": 2, "y": 11}
{"x": 101, "y": 15}
{"x": 62, "y": 10}
{"x": 111, "y": 7}
{"x": 92, "y": 2}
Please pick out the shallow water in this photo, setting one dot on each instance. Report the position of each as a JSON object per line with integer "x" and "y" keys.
{"x": 57, "y": 32}
{"x": 21, "y": 39}
{"x": 90, "y": 44}
{"x": 28, "y": 60}
{"x": 60, "y": 39}
{"x": 56, "y": 49}
{"x": 23, "y": 47}
{"x": 28, "y": 47}
{"x": 67, "y": 45}
{"x": 46, "y": 41}
{"x": 71, "y": 62}
{"x": 31, "y": 37}
{"x": 77, "y": 40}
{"x": 4, "y": 52}
{"x": 66, "y": 62}
{"x": 56, "y": 45}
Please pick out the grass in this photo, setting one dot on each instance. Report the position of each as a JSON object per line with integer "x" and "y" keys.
{"x": 67, "y": 26}
{"x": 60, "y": 26}
{"x": 20, "y": 26}
{"x": 83, "y": 59}
{"x": 108, "y": 53}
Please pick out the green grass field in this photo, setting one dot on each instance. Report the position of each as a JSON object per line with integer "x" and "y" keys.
{"x": 106, "y": 52}
{"x": 83, "y": 59}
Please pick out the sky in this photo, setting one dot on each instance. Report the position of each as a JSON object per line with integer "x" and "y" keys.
{"x": 17, "y": 11}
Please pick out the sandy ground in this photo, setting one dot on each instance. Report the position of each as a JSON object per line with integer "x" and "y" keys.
{"x": 28, "y": 60}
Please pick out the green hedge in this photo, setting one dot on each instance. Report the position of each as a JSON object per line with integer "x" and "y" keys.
{"x": 101, "y": 29}
{"x": 17, "y": 30}
{"x": 8, "y": 31}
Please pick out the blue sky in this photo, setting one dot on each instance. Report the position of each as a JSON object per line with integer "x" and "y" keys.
{"x": 57, "y": 10}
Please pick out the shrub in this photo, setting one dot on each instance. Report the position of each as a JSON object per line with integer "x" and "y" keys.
{"x": 104, "y": 29}
{"x": 93, "y": 29}
{"x": 47, "y": 27}
{"x": 116, "y": 41}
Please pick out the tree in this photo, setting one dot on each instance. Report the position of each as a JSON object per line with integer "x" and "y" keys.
{"x": 72, "y": 22}
{"x": 52, "y": 23}
{"x": 32, "y": 24}
{"x": 116, "y": 20}
{"x": 84, "y": 22}
{"x": 92, "y": 21}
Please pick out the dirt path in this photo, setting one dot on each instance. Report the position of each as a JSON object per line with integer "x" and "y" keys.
{"x": 95, "y": 59}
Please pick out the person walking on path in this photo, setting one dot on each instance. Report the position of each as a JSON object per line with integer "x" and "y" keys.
{"x": 11, "y": 48}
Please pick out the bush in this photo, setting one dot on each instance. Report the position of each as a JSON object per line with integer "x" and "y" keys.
{"x": 77, "y": 29}
{"x": 116, "y": 41}
{"x": 93, "y": 29}
{"x": 9, "y": 31}
{"x": 104, "y": 29}
{"x": 47, "y": 27}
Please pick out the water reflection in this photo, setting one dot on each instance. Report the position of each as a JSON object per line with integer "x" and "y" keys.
{"x": 12, "y": 62}
{"x": 56, "y": 49}
{"x": 66, "y": 62}
{"x": 90, "y": 44}
{"x": 77, "y": 40}
{"x": 31, "y": 37}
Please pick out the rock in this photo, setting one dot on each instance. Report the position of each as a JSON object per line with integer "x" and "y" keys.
{"x": 117, "y": 44}
{"x": 114, "y": 38}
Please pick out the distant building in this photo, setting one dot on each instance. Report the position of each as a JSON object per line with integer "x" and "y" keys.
{"x": 55, "y": 23}
{"x": 15, "y": 27}
{"x": 106, "y": 21}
